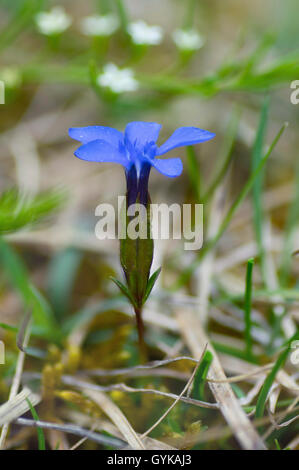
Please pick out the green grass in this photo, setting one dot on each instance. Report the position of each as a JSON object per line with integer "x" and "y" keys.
{"x": 247, "y": 308}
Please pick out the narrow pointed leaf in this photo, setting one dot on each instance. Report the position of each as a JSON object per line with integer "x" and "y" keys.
{"x": 123, "y": 289}
{"x": 151, "y": 282}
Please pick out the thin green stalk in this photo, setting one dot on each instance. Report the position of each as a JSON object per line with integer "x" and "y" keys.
{"x": 185, "y": 276}
{"x": 201, "y": 375}
{"x": 227, "y": 155}
{"x": 194, "y": 172}
{"x": 102, "y": 6}
{"x": 40, "y": 432}
{"x": 291, "y": 224}
{"x": 234, "y": 352}
{"x": 141, "y": 340}
{"x": 122, "y": 13}
{"x": 257, "y": 188}
{"x": 190, "y": 14}
{"x": 247, "y": 307}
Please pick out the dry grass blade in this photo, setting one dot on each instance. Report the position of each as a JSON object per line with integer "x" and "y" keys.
{"x": 17, "y": 406}
{"x": 73, "y": 429}
{"x": 231, "y": 409}
{"x": 117, "y": 417}
{"x": 68, "y": 380}
{"x": 22, "y": 341}
{"x": 241, "y": 377}
{"x": 275, "y": 424}
{"x": 129, "y": 370}
{"x": 284, "y": 424}
{"x": 108, "y": 427}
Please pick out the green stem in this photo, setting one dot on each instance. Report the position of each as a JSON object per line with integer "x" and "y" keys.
{"x": 123, "y": 17}
{"x": 190, "y": 16}
{"x": 140, "y": 329}
{"x": 248, "y": 297}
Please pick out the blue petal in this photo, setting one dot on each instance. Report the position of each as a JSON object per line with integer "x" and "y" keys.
{"x": 142, "y": 133}
{"x": 101, "y": 151}
{"x": 171, "y": 167}
{"x": 185, "y": 136}
{"x": 90, "y": 133}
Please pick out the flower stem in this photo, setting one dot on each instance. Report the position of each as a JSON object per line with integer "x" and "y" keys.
{"x": 140, "y": 329}
{"x": 122, "y": 15}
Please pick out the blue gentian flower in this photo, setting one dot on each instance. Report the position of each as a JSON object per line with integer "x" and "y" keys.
{"x": 136, "y": 150}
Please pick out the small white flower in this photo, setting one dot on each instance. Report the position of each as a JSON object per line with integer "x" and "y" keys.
{"x": 187, "y": 39}
{"x": 142, "y": 33}
{"x": 99, "y": 25}
{"x": 53, "y": 22}
{"x": 118, "y": 80}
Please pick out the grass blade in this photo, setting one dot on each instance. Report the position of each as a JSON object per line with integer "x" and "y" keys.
{"x": 193, "y": 172}
{"x": 227, "y": 156}
{"x": 247, "y": 308}
{"x": 257, "y": 188}
{"x": 291, "y": 224}
{"x": 261, "y": 401}
{"x": 40, "y": 432}
{"x": 200, "y": 376}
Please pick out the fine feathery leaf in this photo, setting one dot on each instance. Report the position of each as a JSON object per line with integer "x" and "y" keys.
{"x": 18, "y": 211}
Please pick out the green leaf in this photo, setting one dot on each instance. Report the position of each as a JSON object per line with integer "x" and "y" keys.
{"x": 151, "y": 282}
{"x": 226, "y": 155}
{"x": 40, "y": 432}
{"x": 201, "y": 375}
{"x": 277, "y": 444}
{"x": 14, "y": 329}
{"x": 124, "y": 289}
{"x": 193, "y": 172}
{"x": 32, "y": 298}
{"x": 290, "y": 233}
{"x": 261, "y": 401}
{"x": 257, "y": 188}
{"x": 247, "y": 307}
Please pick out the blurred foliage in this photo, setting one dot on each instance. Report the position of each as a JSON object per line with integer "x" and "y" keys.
{"x": 78, "y": 323}
{"x": 19, "y": 211}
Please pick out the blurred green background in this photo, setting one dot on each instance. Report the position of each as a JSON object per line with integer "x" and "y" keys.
{"x": 235, "y": 80}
